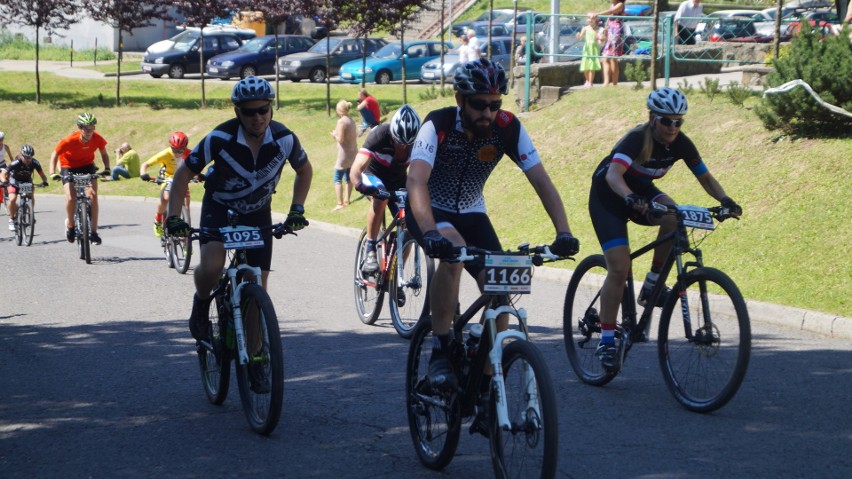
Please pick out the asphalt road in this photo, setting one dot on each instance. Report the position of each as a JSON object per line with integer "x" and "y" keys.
{"x": 98, "y": 378}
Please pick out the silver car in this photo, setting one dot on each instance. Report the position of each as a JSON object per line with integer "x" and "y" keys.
{"x": 501, "y": 52}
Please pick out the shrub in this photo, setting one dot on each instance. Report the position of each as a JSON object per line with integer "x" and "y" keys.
{"x": 636, "y": 72}
{"x": 685, "y": 87}
{"x": 710, "y": 87}
{"x": 737, "y": 93}
{"x": 825, "y": 65}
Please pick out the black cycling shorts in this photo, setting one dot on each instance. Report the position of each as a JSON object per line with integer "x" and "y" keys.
{"x": 610, "y": 213}
{"x": 475, "y": 228}
{"x": 64, "y": 172}
{"x": 215, "y": 215}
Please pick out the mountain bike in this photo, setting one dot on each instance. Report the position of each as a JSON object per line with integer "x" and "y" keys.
{"x": 243, "y": 328}
{"x": 704, "y": 335}
{"x": 83, "y": 213}
{"x": 404, "y": 277}
{"x": 176, "y": 249}
{"x": 521, "y": 413}
{"x": 25, "y": 216}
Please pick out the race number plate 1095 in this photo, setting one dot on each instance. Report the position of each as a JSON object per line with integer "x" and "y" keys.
{"x": 508, "y": 274}
{"x": 241, "y": 237}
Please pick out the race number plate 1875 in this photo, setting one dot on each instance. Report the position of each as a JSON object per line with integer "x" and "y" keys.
{"x": 508, "y": 274}
{"x": 241, "y": 237}
{"x": 696, "y": 217}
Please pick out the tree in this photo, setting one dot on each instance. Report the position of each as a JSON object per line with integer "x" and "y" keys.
{"x": 329, "y": 13}
{"x": 47, "y": 15}
{"x": 200, "y": 13}
{"x": 125, "y": 16}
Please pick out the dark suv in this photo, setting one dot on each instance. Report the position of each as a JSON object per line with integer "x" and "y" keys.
{"x": 311, "y": 64}
{"x": 182, "y": 56}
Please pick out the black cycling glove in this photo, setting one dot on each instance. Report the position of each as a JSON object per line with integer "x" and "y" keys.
{"x": 296, "y": 218}
{"x": 635, "y": 202}
{"x": 145, "y": 177}
{"x": 565, "y": 245}
{"x": 732, "y": 206}
{"x": 175, "y": 226}
{"x": 436, "y": 245}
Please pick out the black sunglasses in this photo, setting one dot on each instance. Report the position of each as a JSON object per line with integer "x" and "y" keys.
{"x": 261, "y": 110}
{"x": 669, "y": 122}
{"x": 480, "y": 105}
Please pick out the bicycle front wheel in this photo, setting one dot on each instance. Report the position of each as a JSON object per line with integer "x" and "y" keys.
{"x": 434, "y": 417}
{"x": 368, "y": 287}
{"x": 261, "y": 381}
{"x": 529, "y": 448}
{"x": 408, "y": 287}
{"x": 19, "y": 230}
{"x": 581, "y": 322}
{"x": 215, "y": 361}
{"x": 83, "y": 232}
{"x": 27, "y": 223}
{"x": 704, "y": 340}
{"x": 181, "y": 247}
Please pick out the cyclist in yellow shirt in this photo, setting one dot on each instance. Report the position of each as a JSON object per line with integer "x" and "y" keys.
{"x": 169, "y": 158}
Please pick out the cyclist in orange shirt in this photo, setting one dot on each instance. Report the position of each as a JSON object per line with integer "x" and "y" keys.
{"x": 76, "y": 154}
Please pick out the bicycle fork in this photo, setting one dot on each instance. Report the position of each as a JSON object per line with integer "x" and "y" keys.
{"x": 236, "y": 301}
{"x": 496, "y": 358}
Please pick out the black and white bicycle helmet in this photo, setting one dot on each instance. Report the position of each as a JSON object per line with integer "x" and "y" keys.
{"x": 86, "y": 119}
{"x": 481, "y": 77}
{"x": 667, "y": 101}
{"x": 404, "y": 125}
{"x": 250, "y": 89}
{"x": 28, "y": 151}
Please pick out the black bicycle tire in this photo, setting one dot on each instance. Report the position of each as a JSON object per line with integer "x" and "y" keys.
{"x": 263, "y": 425}
{"x": 737, "y": 374}
{"x": 549, "y": 420}
{"x": 400, "y": 324}
{"x": 597, "y": 376}
{"x": 181, "y": 248}
{"x": 420, "y": 340}
{"x": 218, "y": 391}
{"x": 29, "y": 222}
{"x": 367, "y": 316}
{"x": 19, "y": 231}
{"x": 84, "y": 235}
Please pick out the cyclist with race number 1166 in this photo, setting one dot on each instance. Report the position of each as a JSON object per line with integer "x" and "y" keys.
{"x": 456, "y": 150}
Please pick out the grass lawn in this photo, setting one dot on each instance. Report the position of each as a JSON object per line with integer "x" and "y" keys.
{"x": 787, "y": 249}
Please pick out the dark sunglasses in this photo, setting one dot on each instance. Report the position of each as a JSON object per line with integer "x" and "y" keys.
{"x": 480, "y": 105}
{"x": 669, "y": 122}
{"x": 261, "y": 110}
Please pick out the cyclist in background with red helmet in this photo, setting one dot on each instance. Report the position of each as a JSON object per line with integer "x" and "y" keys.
{"x": 169, "y": 159}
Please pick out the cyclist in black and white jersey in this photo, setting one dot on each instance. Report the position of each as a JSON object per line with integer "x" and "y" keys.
{"x": 385, "y": 156}
{"x": 249, "y": 153}
{"x": 454, "y": 153}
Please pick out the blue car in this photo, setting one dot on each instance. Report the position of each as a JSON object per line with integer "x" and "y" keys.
{"x": 385, "y": 65}
{"x": 256, "y": 57}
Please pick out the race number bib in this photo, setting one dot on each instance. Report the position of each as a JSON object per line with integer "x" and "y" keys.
{"x": 508, "y": 274}
{"x": 241, "y": 237}
{"x": 696, "y": 217}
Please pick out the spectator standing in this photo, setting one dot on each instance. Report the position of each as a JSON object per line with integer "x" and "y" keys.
{"x": 464, "y": 50}
{"x": 347, "y": 147}
{"x": 521, "y": 51}
{"x": 370, "y": 111}
{"x": 591, "y": 49}
{"x": 686, "y": 21}
{"x": 614, "y": 45}
{"x": 473, "y": 45}
{"x": 128, "y": 162}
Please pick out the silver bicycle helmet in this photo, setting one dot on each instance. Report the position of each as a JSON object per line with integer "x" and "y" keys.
{"x": 86, "y": 119}
{"x": 28, "y": 151}
{"x": 404, "y": 125}
{"x": 481, "y": 77}
{"x": 250, "y": 89}
{"x": 667, "y": 101}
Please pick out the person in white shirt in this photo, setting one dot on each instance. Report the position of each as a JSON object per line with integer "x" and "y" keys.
{"x": 691, "y": 11}
{"x": 464, "y": 50}
{"x": 473, "y": 46}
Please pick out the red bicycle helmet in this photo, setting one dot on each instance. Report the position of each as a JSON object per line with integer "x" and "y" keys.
{"x": 178, "y": 140}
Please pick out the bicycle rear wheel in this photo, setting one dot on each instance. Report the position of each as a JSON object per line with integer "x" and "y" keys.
{"x": 581, "y": 324}
{"x": 262, "y": 405}
{"x": 215, "y": 362}
{"x": 529, "y": 448}
{"x": 704, "y": 357}
{"x": 369, "y": 290}
{"x": 181, "y": 247}
{"x": 27, "y": 223}
{"x": 434, "y": 417}
{"x": 408, "y": 287}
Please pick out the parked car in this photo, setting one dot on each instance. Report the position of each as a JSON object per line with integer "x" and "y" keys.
{"x": 480, "y": 29}
{"x": 751, "y": 15}
{"x": 501, "y": 52}
{"x": 499, "y": 15}
{"x": 311, "y": 64}
{"x": 638, "y": 10}
{"x": 725, "y": 29}
{"x": 538, "y": 19}
{"x": 569, "y": 26}
{"x": 256, "y": 57}
{"x": 183, "y": 56}
{"x": 164, "y": 45}
{"x": 385, "y": 65}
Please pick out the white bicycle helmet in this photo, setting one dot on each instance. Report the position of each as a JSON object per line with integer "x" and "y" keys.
{"x": 667, "y": 101}
{"x": 404, "y": 125}
{"x": 250, "y": 89}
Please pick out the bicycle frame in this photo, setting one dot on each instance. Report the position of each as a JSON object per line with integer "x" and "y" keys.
{"x": 237, "y": 265}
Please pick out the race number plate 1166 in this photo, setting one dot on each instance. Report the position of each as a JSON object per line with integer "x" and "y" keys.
{"x": 241, "y": 237}
{"x": 508, "y": 274}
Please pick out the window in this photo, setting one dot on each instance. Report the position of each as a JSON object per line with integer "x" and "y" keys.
{"x": 416, "y": 51}
{"x": 211, "y": 44}
{"x": 229, "y": 43}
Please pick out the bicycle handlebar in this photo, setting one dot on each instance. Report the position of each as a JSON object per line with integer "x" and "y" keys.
{"x": 540, "y": 254}
{"x": 278, "y": 231}
{"x": 720, "y": 213}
